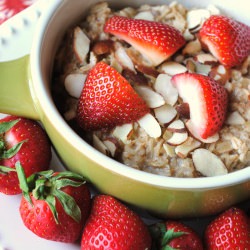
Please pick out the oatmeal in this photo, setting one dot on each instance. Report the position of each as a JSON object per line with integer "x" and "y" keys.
{"x": 164, "y": 140}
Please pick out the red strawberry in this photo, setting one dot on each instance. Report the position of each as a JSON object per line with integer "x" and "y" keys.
{"x": 54, "y": 206}
{"x": 175, "y": 235}
{"x": 113, "y": 226}
{"x": 157, "y": 41}
{"x": 230, "y": 230}
{"x": 227, "y": 39}
{"x": 108, "y": 100}
{"x": 21, "y": 140}
{"x": 207, "y": 101}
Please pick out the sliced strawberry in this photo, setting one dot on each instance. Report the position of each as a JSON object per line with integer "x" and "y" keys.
{"x": 157, "y": 41}
{"x": 108, "y": 100}
{"x": 207, "y": 101}
{"x": 227, "y": 39}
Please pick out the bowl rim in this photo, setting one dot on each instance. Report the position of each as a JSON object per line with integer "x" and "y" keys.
{"x": 45, "y": 101}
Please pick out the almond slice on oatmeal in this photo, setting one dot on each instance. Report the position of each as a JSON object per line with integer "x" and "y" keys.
{"x": 195, "y": 135}
{"x": 172, "y": 68}
{"x": 165, "y": 114}
{"x": 179, "y": 131}
{"x": 207, "y": 163}
{"x": 164, "y": 87}
{"x": 235, "y": 118}
{"x": 145, "y": 15}
{"x": 123, "y": 132}
{"x": 195, "y": 19}
{"x": 177, "y": 138}
{"x": 177, "y": 126}
{"x": 206, "y": 58}
{"x": 152, "y": 98}
{"x": 112, "y": 145}
{"x": 187, "y": 147}
{"x": 150, "y": 125}
{"x": 81, "y": 44}
{"x": 74, "y": 83}
{"x": 192, "y": 48}
{"x": 123, "y": 58}
{"x": 99, "y": 145}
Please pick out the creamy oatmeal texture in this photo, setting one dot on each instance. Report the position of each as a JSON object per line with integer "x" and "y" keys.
{"x": 176, "y": 151}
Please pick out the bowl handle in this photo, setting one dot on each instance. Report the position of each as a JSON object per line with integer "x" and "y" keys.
{"x": 16, "y": 35}
{"x": 15, "y": 95}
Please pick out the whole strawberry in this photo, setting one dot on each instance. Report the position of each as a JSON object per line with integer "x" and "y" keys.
{"x": 230, "y": 230}
{"x": 227, "y": 39}
{"x": 54, "y": 206}
{"x": 156, "y": 41}
{"x": 113, "y": 226}
{"x": 173, "y": 235}
{"x": 108, "y": 100}
{"x": 25, "y": 141}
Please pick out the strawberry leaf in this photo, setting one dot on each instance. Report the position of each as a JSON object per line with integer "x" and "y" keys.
{"x": 23, "y": 181}
{"x": 69, "y": 205}
{"x": 51, "y": 201}
{"x": 7, "y": 154}
{"x": 67, "y": 182}
{"x": 6, "y": 170}
{"x": 5, "y": 126}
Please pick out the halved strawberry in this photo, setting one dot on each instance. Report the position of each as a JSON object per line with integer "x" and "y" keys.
{"x": 227, "y": 39}
{"x": 108, "y": 100}
{"x": 157, "y": 41}
{"x": 207, "y": 101}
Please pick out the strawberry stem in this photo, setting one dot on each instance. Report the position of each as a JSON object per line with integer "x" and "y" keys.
{"x": 162, "y": 237}
{"x": 48, "y": 186}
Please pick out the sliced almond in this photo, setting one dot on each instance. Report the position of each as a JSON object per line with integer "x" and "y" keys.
{"x": 145, "y": 15}
{"x": 169, "y": 149}
{"x": 74, "y": 84}
{"x": 152, "y": 98}
{"x": 99, "y": 145}
{"x": 81, "y": 44}
{"x": 178, "y": 138}
{"x": 112, "y": 145}
{"x": 177, "y": 126}
{"x": 172, "y": 68}
{"x": 195, "y": 19}
{"x": 194, "y": 134}
{"x": 206, "y": 58}
{"x": 207, "y": 163}
{"x": 123, "y": 132}
{"x": 165, "y": 114}
{"x": 164, "y": 87}
{"x": 235, "y": 118}
{"x": 187, "y": 147}
{"x": 192, "y": 48}
{"x": 123, "y": 58}
{"x": 150, "y": 125}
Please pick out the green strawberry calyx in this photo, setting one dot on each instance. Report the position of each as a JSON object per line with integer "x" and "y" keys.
{"x": 47, "y": 186}
{"x": 8, "y": 153}
{"x": 161, "y": 236}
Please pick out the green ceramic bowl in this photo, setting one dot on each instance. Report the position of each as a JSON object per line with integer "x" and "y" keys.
{"x": 25, "y": 90}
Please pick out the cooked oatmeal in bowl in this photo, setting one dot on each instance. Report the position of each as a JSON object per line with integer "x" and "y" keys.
{"x": 150, "y": 88}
